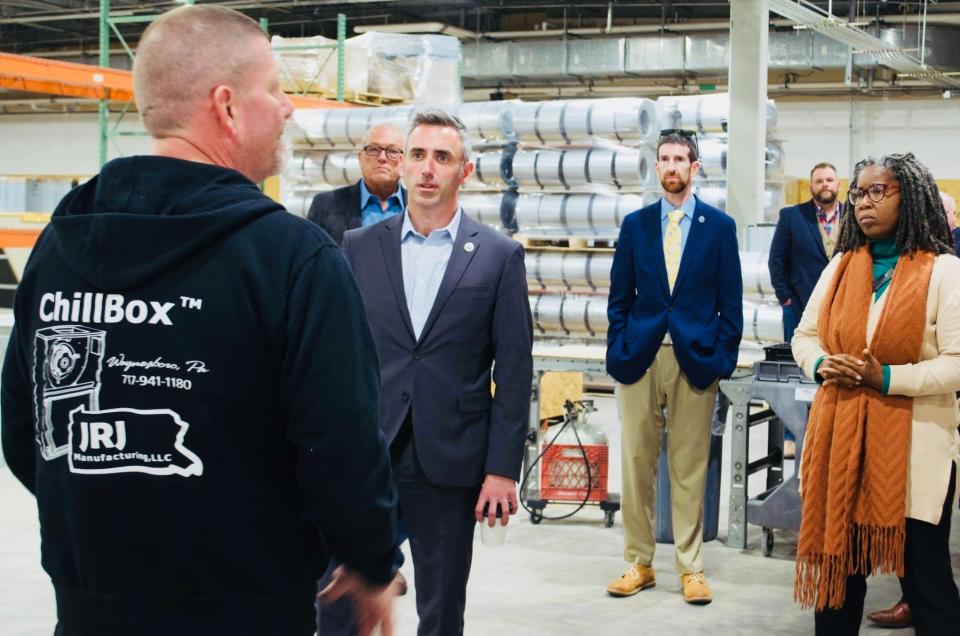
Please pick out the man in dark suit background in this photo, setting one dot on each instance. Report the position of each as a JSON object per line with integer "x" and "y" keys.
{"x": 446, "y": 298}
{"x": 377, "y": 196}
{"x": 803, "y": 244}
{"x": 676, "y": 317}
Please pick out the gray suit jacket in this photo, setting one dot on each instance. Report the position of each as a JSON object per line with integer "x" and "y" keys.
{"x": 481, "y": 315}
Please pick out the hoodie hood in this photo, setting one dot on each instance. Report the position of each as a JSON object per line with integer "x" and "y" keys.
{"x": 142, "y": 216}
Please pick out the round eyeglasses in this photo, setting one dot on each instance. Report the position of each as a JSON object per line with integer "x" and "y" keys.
{"x": 876, "y": 192}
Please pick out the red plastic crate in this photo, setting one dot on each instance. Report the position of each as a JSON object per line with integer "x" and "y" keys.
{"x": 563, "y": 473}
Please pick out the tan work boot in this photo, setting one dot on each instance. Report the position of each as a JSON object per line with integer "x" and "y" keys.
{"x": 637, "y": 577}
{"x": 695, "y": 588}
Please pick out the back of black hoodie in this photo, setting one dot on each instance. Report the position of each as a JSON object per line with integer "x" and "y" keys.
{"x": 191, "y": 390}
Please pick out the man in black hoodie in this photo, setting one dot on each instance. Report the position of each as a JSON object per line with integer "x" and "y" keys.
{"x": 191, "y": 388}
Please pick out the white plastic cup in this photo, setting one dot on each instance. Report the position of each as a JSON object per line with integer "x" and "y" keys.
{"x": 495, "y": 536}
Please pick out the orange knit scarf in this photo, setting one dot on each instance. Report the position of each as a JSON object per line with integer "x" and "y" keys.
{"x": 854, "y": 470}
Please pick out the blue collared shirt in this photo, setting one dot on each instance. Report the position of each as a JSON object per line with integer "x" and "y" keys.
{"x": 424, "y": 260}
{"x": 370, "y": 210}
{"x": 666, "y": 208}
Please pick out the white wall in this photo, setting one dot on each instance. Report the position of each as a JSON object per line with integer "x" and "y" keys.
{"x": 820, "y": 131}
{"x": 812, "y": 131}
{"x": 61, "y": 144}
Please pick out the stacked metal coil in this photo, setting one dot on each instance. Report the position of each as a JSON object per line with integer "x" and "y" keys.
{"x": 626, "y": 120}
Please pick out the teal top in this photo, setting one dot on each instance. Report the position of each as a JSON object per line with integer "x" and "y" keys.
{"x": 885, "y": 256}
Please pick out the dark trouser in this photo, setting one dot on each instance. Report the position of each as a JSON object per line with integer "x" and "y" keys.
{"x": 441, "y": 523}
{"x": 927, "y": 582}
{"x": 790, "y": 321}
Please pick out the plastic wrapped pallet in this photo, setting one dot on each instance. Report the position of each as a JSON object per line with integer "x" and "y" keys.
{"x": 621, "y": 168}
{"x": 577, "y": 214}
{"x": 573, "y": 121}
{"x": 418, "y": 68}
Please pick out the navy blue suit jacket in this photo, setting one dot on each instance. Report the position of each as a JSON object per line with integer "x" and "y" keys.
{"x": 481, "y": 315}
{"x": 797, "y": 256}
{"x": 704, "y": 314}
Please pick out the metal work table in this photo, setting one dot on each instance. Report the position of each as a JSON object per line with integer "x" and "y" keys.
{"x": 778, "y": 404}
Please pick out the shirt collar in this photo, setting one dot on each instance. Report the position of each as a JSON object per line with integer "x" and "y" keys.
{"x": 365, "y": 195}
{"x": 450, "y": 230}
{"x": 688, "y": 207}
{"x": 836, "y": 210}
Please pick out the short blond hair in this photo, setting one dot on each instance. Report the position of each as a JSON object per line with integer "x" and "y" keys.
{"x": 183, "y": 55}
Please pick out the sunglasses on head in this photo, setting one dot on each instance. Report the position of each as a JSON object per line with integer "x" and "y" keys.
{"x": 681, "y": 132}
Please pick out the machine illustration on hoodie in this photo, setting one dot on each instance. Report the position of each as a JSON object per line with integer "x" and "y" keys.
{"x": 68, "y": 362}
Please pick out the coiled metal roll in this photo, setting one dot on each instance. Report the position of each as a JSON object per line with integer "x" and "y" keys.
{"x": 483, "y": 207}
{"x": 566, "y": 268}
{"x": 623, "y": 168}
{"x": 489, "y": 122}
{"x": 332, "y": 168}
{"x": 705, "y": 113}
{"x": 578, "y": 214}
{"x": 569, "y": 121}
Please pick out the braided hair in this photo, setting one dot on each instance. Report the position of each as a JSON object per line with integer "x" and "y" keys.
{"x": 923, "y": 221}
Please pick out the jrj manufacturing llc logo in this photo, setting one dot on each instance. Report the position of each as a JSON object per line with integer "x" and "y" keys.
{"x": 68, "y": 362}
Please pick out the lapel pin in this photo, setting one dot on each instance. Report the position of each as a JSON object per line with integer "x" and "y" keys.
{"x": 701, "y": 219}
{"x": 469, "y": 247}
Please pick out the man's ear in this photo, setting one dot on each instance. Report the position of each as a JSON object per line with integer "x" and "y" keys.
{"x": 466, "y": 171}
{"x": 224, "y": 109}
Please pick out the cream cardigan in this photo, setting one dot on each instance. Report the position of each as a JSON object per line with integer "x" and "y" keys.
{"x": 934, "y": 443}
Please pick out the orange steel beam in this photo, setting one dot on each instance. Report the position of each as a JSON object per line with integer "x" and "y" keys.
{"x": 37, "y": 75}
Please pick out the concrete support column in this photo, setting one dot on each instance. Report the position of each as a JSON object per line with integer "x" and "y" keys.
{"x": 747, "y": 127}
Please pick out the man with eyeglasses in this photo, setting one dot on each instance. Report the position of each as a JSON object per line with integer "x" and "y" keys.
{"x": 377, "y": 196}
{"x": 676, "y": 316}
{"x": 802, "y": 245}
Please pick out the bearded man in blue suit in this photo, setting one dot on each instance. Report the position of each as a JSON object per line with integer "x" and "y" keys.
{"x": 676, "y": 317}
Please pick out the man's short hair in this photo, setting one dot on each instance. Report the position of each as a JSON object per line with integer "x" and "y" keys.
{"x": 183, "y": 55}
{"x": 437, "y": 117}
{"x": 366, "y": 136}
{"x": 823, "y": 164}
{"x": 686, "y": 138}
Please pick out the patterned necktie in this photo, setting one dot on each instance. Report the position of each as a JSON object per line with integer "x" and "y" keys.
{"x": 671, "y": 246}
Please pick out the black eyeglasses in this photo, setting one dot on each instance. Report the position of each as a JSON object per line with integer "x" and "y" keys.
{"x": 373, "y": 151}
{"x": 876, "y": 192}
{"x": 682, "y": 132}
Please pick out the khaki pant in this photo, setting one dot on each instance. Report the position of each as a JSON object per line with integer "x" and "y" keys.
{"x": 689, "y": 417}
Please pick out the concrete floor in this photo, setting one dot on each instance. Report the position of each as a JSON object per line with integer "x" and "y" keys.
{"x": 546, "y": 579}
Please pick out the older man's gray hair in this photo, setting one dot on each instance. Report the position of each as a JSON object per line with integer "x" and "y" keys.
{"x": 438, "y": 117}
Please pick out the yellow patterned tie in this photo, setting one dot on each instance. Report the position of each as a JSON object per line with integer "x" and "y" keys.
{"x": 671, "y": 246}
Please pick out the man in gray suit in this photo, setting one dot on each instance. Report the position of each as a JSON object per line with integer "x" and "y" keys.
{"x": 446, "y": 298}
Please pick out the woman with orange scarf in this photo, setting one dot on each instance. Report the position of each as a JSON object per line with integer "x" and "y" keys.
{"x": 882, "y": 334}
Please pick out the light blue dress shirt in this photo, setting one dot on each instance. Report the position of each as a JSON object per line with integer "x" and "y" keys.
{"x": 424, "y": 260}
{"x": 370, "y": 210}
{"x": 666, "y": 208}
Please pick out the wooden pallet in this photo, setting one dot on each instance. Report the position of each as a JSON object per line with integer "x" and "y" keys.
{"x": 354, "y": 97}
{"x": 565, "y": 242}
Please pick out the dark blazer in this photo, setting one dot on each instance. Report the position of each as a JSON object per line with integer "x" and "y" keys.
{"x": 337, "y": 211}
{"x": 956, "y": 241}
{"x": 797, "y": 256}
{"x": 704, "y": 314}
{"x": 481, "y": 315}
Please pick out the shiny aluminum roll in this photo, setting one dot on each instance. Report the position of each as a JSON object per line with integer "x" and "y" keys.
{"x": 762, "y": 322}
{"x": 298, "y": 201}
{"x": 333, "y": 168}
{"x": 714, "y": 192}
{"x": 585, "y": 316}
{"x": 329, "y": 128}
{"x": 487, "y": 169}
{"x": 705, "y": 113}
{"x": 567, "y": 268}
{"x": 571, "y": 121}
{"x": 756, "y": 276}
{"x": 713, "y": 158}
{"x": 577, "y": 214}
{"x": 489, "y": 122}
{"x": 483, "y": 207}
{"x": 623, "y": 168}
{"x": 572, "y": 315}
